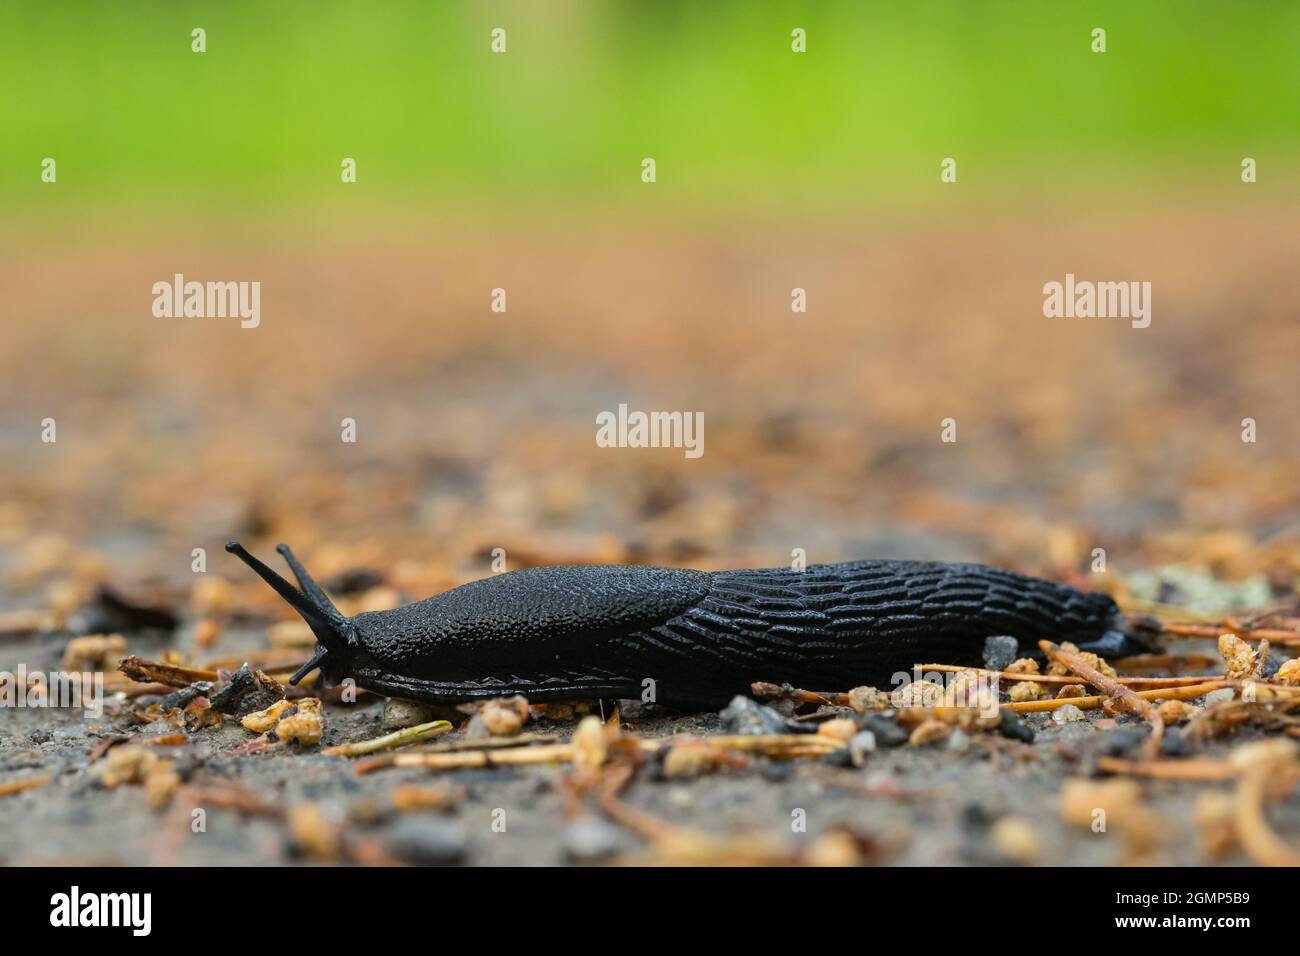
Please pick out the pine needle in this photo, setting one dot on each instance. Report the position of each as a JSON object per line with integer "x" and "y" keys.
{"x": 399, "y": 738}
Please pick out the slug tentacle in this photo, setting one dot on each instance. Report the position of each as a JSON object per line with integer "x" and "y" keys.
{"x": 334, "y": 632}
{"x": 315, "y": 661}
{"x": 305, "y": 580}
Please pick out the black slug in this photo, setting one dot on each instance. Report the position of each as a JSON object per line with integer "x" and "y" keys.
{"x": 581, "y": 632}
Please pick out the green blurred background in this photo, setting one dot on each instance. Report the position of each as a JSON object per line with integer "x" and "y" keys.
{"x": 737, "y": 123}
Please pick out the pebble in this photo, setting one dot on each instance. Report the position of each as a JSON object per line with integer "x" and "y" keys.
{"x": 1067, "y": 714}
{"x": 1000, "y": 651}
{"x": 1174, "y": 744}
{"x": 885, "y": 730}
{"x": 680, "y": 798}
{"x": 975, "y": 816}
{"x": 1078, "y": 735}
{"x": 1122, "y": 742}
{"x": 1219, "y": 696}
{"x": 1015, "y": 726}
{"x": 503, "y": 718}
{"x": 839, "y": 728}
{"x": 427, "y": 841}
{"x": 836, "y": 848}
{"x": 591, "y": 840}
{"x": 400, "y": 714}
{"x": 864, "y": 699}
{"x": 863, "y": 743}
{"x": 778, "y": 771}
{"x": 745, "y": 716}
{"x": 838, "y": 758}
{"x": 1017, "y": 839}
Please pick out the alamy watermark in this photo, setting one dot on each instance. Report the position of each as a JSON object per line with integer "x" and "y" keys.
{"x": 179, "y": 299}
{"x": 75, "y": 908}
{"x": 971, "y": 689}
{"x": 1084, "y": 299}
{"x": 36, "y": 689}
{"x": 633, "y": 429}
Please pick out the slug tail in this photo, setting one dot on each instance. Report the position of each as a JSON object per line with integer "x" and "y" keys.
{"x": 329, "y": 626}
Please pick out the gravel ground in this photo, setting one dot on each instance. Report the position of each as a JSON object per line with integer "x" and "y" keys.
{"x": 915, "y": 805}
{"x": 476, "y": 433}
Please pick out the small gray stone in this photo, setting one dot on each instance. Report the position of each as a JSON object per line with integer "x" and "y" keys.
{"x": 861, "y": 744}
{"x": 1000, "y": 651}
{"x": 1174, "y": 744}
{"x": 745, "y": 716}
{"x": 427, "y": 841}
{"x": 1067, "y": 714}
{"x": 1077, "y": 737}
{"x": 778, "y": 771}
{"x": 1122, "y": 742}
{"x": 679, "y": 798}
{"x": 1015, "y": 726}
{"x": 591, "y": 840}
{"x": 885, "y": 730}
{"x": 400, "y": 714}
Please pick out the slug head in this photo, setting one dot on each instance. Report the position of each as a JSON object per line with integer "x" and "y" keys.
{"x": 335, "y": 634}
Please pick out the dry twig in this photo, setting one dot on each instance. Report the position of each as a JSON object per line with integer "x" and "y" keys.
{"x": 1012, "y": 678}
{"x": 18, "y": 786}
{"x": 1092, "y": 703}
{"x": 1257, "y": 838}
{"x": 399, "y": 738}
{"x": 762, "y": 690}
{"x": 1203, "y": 770}
{"x": 1283, "y": 638}
{"x": 1126, "y": 698}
